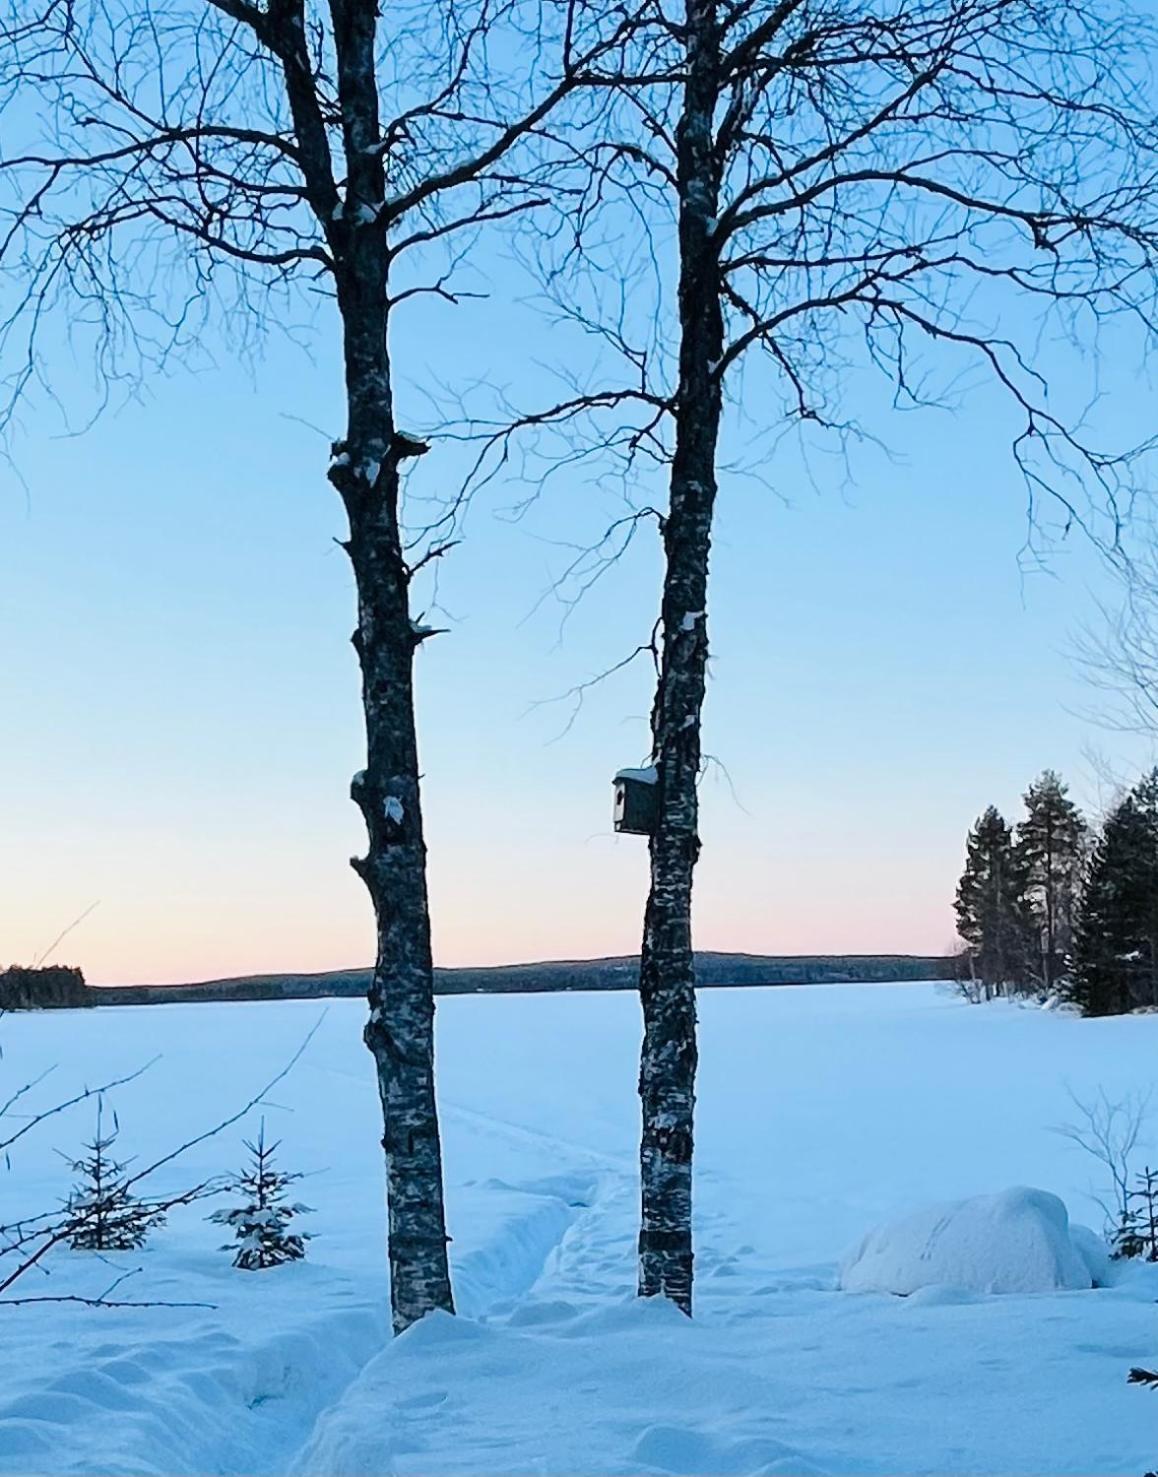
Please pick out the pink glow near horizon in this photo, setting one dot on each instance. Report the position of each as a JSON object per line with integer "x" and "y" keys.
{"x": 159, "y": 944}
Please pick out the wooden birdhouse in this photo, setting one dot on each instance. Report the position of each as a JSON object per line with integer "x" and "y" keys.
{"x": 636, "y": 801}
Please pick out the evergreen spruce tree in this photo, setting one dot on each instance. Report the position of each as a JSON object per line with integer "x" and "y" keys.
{"x": 1051, "y": 841}
{"x": 102, "y": 1213}
{"x": 993, "y": 913}
{"x": 262, "y": 1224}
{"x": 1137, "y": 1232}
{"x": 1116, "y": 941}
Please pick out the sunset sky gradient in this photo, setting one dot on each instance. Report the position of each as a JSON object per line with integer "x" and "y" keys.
{"x": 181, "y": 700}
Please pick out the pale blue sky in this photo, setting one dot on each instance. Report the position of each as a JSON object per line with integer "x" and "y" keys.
{"x": 182, "y": 702}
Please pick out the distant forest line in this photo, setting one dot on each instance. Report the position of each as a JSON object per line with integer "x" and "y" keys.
{"x": 713, "y": 970}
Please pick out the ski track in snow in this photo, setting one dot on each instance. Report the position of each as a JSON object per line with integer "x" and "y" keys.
{"x": 822, "y": 1113}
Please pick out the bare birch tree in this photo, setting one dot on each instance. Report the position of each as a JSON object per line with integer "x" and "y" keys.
{"x": 922, "y": 185}
{"x": 181, "y": 161}
{"x": 1118, "y": 653}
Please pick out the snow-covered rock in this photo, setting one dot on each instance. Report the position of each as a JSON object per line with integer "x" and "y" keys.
{"x": 1017, "y": 1241}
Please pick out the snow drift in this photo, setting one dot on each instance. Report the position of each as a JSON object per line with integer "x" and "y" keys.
{"x": 1017, "y": 1241}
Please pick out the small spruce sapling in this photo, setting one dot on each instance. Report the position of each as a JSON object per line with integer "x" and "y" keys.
{"x": 262, "y": 1224}
{"x": 102, "y": 1213}
{"x": 1137, "y": 1233}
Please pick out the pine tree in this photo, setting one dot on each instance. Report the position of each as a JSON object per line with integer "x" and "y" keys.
{"x": 102, "y": 1213}
{"x": 1116, "y": 941}
{"x": 1051, "y": 841}
{"x": 261, "y": 1224}
{"x": 993, "y": 914}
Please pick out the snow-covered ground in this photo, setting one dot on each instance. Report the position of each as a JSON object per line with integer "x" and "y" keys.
{"x": 823, "y": 1112}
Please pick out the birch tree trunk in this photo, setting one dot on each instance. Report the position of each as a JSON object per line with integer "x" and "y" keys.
{"x": 366, "y": 471}
{"x": 667, "y": 975}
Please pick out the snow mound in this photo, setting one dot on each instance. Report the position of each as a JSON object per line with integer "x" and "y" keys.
{"x": 1018, "y": 1241}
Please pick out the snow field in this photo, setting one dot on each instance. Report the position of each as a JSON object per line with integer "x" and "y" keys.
{"x": 824, "y": 1112}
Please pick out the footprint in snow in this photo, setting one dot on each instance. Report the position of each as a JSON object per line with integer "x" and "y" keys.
{"x": 424, "y": 1400}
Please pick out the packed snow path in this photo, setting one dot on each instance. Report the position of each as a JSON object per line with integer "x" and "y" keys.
{"x": 823, "y": 1111}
